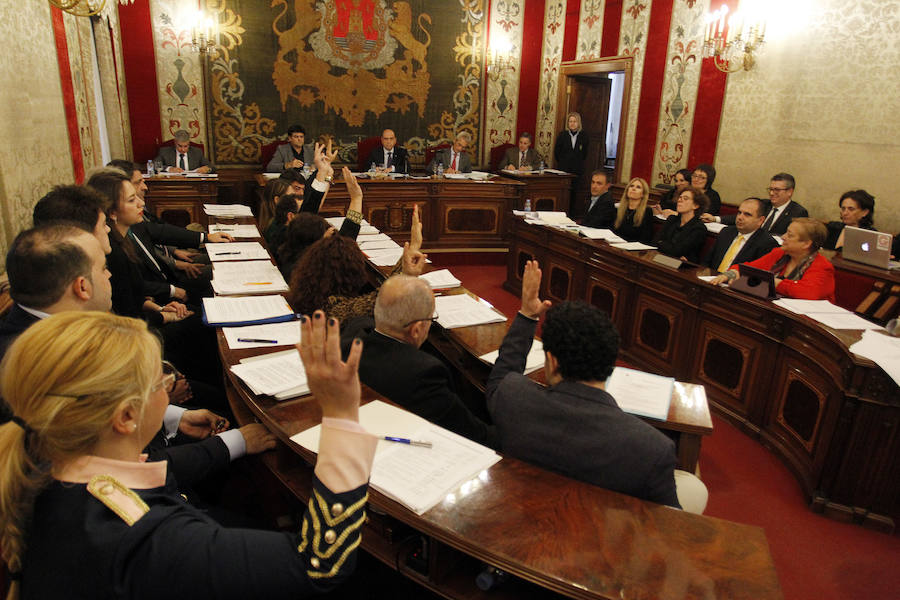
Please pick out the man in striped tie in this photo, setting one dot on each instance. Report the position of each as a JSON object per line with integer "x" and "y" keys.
{"x": 744, "y": 241}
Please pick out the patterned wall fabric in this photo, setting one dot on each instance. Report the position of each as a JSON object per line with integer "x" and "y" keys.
{"x": 501, "y": 107}
{"x": 633, "y": 41}
{"x": 590, "y": 29}
{"x": 339, "y": 67}
{"x": 34, "y": 149}
{"x": 551, "y": 56}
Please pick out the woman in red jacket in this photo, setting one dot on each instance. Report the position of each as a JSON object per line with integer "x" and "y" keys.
{"x": 800, "y": 271}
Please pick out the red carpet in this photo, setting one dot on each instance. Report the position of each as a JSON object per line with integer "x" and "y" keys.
{"x": 816, "y": 558}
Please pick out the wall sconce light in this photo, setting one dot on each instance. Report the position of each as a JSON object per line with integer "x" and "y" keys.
{"x": 204, "y": 33}
{"x": 83, "y": 8}
{"x": 499, "y": 58}
{"x": 731, "y": 41}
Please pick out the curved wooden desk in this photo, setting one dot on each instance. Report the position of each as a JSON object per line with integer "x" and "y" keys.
{"x": 554, "y": 534}
{"x": 830, "y": 416}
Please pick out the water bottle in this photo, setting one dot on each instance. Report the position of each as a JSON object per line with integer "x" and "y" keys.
{"x": 150, "y": 168}
{"x": 306, "y": 171}
{"x": 372, "y": 168}
{"x": 528, "y": 205}
{"x": 440, "y": 170}
{"x": 490, "y": 578}
{"x": 541, "y": 168}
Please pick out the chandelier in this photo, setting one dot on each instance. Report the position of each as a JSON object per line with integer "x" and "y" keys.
{"x": 731, "y": 44}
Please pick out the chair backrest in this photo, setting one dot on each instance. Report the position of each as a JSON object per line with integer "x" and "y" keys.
{"x": 363, "y": 149}
{"x": 171, "y": 142}
{"x": 432, "y": 150}
{"x": 497, "y": 153}
{"x": 268, "y": 151}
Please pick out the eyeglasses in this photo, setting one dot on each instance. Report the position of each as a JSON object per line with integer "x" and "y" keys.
{"x": 772, "y": 190}
{"x": 432, "y": 319}
{"x": 170, "y": 376}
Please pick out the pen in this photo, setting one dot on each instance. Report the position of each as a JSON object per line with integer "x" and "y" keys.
{"x": 224, "y": 253}
{"x": 400, "y": 440}
{"x": 257, "y": 341}
{"x": 258, "y": 283}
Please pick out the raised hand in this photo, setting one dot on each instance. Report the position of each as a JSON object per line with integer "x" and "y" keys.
{"x": 532, "y": 306}
{"x": 333, "y": 382}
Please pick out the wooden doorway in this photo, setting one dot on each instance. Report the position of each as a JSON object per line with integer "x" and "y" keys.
{"x": 584, "y": 87}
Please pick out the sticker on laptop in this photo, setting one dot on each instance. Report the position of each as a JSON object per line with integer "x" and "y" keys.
{"x": 884, "y": 242}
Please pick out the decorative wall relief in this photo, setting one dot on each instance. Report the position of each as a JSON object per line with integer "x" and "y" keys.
{"x": 679, "y": 94}
{"x": 178, "y": 71}
{"x": 507, "y": 27}
{"x": 633, "y": 41}
{"x": 590, "y": 29}
{"x": 551, "y": 56}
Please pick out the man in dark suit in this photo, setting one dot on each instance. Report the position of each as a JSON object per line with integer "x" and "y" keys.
{"x": 389, "y": 157}
{"x": 182, "y": 157}
{"x": 455, "y": 159}
{"x": 292, "y": 155}
{"x": 573, "y": 426}
{"x": 394, "y": 365}
{"x": 784, "y": 209}
{"x": 525, "y": 158}
{"x": 601, "y": 208}
{"x": 744, "y": 241}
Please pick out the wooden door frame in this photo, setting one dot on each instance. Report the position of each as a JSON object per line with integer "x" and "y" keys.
{"x": 571, "y": 69}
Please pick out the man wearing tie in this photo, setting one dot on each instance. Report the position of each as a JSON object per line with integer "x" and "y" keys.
{"x": 182, "y": 157}
{"x": 389, "y": 157}
{"x": 455, "y": 158}
{"x": 784, "y": 209}
{"x": 601, "y": 212}
{"x": 525, "y": 158}
{"x": 743, "y": 241}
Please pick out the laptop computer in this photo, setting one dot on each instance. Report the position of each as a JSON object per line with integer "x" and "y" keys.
{"x": 868, "y": 247}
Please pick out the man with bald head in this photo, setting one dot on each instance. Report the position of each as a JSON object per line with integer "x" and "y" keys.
{"x": 389, "y": 157}
{"x": 394, "y": 365}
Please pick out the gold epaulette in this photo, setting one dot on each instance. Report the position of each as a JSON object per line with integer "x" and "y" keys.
{"x": 331, "y": 548}
{"x": 118, "y": 498}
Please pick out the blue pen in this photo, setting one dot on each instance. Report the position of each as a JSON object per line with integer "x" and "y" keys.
{"x": 257, "y": 341}
{"x": 408, "y": 442}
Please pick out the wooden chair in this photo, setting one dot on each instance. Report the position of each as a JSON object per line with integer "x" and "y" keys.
{"x": 363, "y": 149}
{"x": 497, "y": 153}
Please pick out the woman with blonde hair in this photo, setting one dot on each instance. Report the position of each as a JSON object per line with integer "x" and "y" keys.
{"x": 634, "y": 219}
{"x": 83, "y": 516}
{"x": 571, "y": 146}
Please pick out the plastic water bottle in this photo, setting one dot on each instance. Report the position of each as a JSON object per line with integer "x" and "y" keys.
{"x": 528, "y": 205}
{"x": 440, "y": 170}
{"x": 306, "y": 171}
{"x": 541, "y": 168}
{"x": 150, "y": 170}
{"x": 490, "y": 578}
{"x": 372, "y": 168}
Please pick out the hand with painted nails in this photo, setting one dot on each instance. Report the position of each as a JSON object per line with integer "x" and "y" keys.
{"x": 333, "y": 382}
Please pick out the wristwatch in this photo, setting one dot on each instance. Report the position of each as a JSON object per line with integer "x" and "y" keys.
{"x": 329, "y": 178}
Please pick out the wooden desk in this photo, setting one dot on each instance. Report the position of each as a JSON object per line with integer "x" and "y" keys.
{"x": 455, "y": 213}
{"x": 553, "y": 534}
{"x": 547, "y": 191}
{"x": 179, "y": 200}
{"x": 830, "y": 416}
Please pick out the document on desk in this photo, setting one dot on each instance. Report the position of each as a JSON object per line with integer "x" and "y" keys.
{"x": 235, "y": 231}
{"x": 385, "y": 257}
{"x": 372, "y": 237}
{"x": 227, "y": 210}
{"x": 592, "y": 233}
{"x": 826, "y": 313}
{"x": 462, "y": 310}
{"x": 641, "y": 393}
{"x": 269, "y": 335}
{"x": 882, "y": 349}
{"x": 418, "y": 478}
{"x": 364, "y": 227}
{"x": 236, "y": 251}
{"x": 633, "y": 246}
{"x": 247, "y": 277}
{"x": 366, "y": 245}
{"x": 534, "y": 361}
{"x": 442, "y": 279}
{"x": 273, "y": 374}
{"x": 249, "y": 310}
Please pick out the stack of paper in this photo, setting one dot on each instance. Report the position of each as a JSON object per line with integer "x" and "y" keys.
{"x": 554, "y": 218}
{"x": 416, "y": 477}
{"x": 280, "y": 374}
{"x": 367, "y": 245}
{"x": 364, "y": 227}
{"x": 600, "y": 234}
{"x": 533, "y": 361}
{"x": 384, "y": 257}
{"x": 462, "y": 310}
{"x": 250, "y": 310}
{"x": 236, "y": 251}
{"x": 441, "y": 280}
{"x": 883, "y": 350}
{"x": 227, "y": 210}
{"x": 263, "y": 336}
{"x": 641, "y": 393}
{"x": 236, "y": 231}
{"x": 247, "y": 277}
{"x": 826, "y": 313}
{"x": 633, "y": 246}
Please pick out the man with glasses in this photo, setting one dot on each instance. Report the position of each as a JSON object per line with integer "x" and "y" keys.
{"x": 784, "y": 209}
{"x": 394, "y": 365}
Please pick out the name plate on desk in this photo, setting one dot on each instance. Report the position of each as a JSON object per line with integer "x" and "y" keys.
{"x": 667, "y": 261}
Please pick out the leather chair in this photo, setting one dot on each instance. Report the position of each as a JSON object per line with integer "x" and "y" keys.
{"x": 431, "y": 151}
{"x": 497, "y": 153}
{"x": 363, "y": 149}
{"x": 171, "y": 142}
{"x": 268, "y": 151}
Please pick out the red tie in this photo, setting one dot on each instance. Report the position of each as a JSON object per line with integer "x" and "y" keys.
{"x": 453, "y": 162}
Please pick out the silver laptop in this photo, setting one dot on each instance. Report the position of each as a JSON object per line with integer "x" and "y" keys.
{"x": 868, "y": 247}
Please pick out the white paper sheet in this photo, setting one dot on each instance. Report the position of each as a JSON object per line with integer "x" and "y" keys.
{"x": 367, "y": 246}
{"x": 805, "y": 307}
{"x": 235, "y": 231}
{"x": 641, "y": 393}
{"x": 634, "y": 246}
{"x": 533, "y": 361}
{"x": 442, "y": 279}
{"x": 600, "y": 234}
{"x": 844, "y": 321}
{"x": 277, "y": 334}
{"x": 249, "y": 308}
{"x": 247, "y": 277}
{"x": 272, "y": 375}
{"x": 236, "y": 251}
{"x": 227, "y": 210}
{"x": 462, "y": 310}
{"x": 882, "y": 349}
